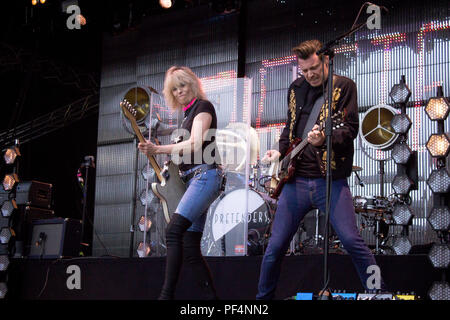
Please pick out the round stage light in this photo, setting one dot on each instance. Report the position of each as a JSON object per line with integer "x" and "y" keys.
{"x": 439, "y": 218}
{"x": 144, "y": 226}
{"x": 439, "y": 180}
{"x": 437, "y": 108}
{"x": 8, "y": 208}
{"x": 4, "y": 262}
{"x": 402, "y": 184}
{"x": 400, "y": 93}
{"x": 10, "y": 181}
{"x": 402, "y": 214}
{"x": 143, "y": 250}
{"x": 34, "y": 2}
{"x": 166, "y": 4}
{"x": 438, "y": 145}
{"x": 147, "y": 197}
{"x": 440, "y": 255}
{"x": 148, "y": 172}
{"x": 401, "y": 123}
{"x": 11, "y": 154}
{"x": 3, "y": 290}
{"x": 401, "y": 153}
{"x": 401, "y": 245}
{"x": 439, "y": 291}
{"x": 5, "y": 235}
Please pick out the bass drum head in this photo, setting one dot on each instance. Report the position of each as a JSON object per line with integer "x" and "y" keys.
{"x": 223, "y": 232}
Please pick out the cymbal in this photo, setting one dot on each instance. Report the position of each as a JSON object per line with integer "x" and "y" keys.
{"x": 356, "y": 168}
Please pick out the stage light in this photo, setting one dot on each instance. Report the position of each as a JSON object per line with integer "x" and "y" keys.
{"x": 148, "y": 172}
{"x": 401, "y": 153}
{"x": 437, "y": 108}
{"x": 81, "y": 19}
{"x": 42, "y": 1}
{"x": 143, "y": 226}
{"x": 402, "y": 214}
{"x": 438, "y": 145}
{"x": 11, "y": 154}
{"x": 147, "y": 197}
{"x": 8, "y": 207}
{"x": 34, "y": 2}
{"x": 10, "y": 181}
{"x": 402, "y": 184}
{"x": 4, "y": 262}
{"x": 440, "y": 255}
{"x": 3, "y": 290}
{"x": 5, "y": 235}
{"x": 439, "y": 291}
{"x": 401, "y": 123}
{"x": 400, "y": 93}
{"x": 143, "y": 250}
{"x": 401, "y": 245}
{"x": 166, "y": 4}
{"x": 439, "y": 218}
{"x": 439, "y": 180}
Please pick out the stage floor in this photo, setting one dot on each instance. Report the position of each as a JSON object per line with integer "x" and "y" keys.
{"x": 236, "y": 278}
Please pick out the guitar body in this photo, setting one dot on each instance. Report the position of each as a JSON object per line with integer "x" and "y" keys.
{"x": 287, "y": 166}
{"x": 170, "y": 190}
{"x": 287, "y": 169}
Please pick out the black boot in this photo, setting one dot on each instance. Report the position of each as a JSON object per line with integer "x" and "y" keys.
{"x": 174, "y": 242}
{"x": 196, "y": 262}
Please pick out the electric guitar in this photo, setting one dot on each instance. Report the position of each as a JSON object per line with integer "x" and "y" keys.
{"x": 170, "y": 188}
{"x": 286, "y": 168}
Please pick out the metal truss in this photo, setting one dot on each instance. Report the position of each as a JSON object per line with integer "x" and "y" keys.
{"x": 52, "y": 121}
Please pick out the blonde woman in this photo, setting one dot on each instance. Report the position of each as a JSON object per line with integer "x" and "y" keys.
{"x": 182, "y": 89}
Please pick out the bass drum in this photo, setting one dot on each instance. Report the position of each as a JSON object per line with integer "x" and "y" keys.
{"x": 223, "y": 233}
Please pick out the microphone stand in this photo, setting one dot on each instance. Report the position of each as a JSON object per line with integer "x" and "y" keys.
{"x": 328, "y": 50}
{"x": 88, "y": 163}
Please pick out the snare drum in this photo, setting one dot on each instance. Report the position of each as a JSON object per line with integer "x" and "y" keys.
{"x": 370, "y": 204}
{"x": 224, "y": 233}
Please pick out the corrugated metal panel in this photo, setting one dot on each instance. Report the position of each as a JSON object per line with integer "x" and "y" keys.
{"x": 111, "y": 128}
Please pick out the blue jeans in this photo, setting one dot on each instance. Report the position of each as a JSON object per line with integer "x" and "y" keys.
{"x": 296, "y": 200}
{"x": 201, "y": 191}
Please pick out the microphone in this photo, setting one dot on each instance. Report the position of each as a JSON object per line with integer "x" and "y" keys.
{"x": 381, "y": 7}
{"x": 88, "y": 162}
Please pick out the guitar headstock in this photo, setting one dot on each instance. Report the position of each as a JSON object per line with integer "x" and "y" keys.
{"x": 128, "y": 110}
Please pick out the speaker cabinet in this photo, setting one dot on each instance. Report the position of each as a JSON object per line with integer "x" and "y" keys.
{"x": 55, "y": 238}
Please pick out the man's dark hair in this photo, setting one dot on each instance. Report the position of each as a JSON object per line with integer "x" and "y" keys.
{"x": 307, "y": 48}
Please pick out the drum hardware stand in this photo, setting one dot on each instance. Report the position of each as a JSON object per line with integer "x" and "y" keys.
{"x": 378, "y": 234}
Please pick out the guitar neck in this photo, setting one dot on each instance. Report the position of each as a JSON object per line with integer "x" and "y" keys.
{"x": 151, "y": 159}
{"x": 302, "y": 145}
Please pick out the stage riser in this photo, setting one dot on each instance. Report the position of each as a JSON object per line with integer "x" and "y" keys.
{"x": 235, "y": 278}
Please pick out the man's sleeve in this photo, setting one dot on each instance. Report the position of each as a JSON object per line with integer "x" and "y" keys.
{"x": 348, "y": 105}
{"x": 283, "y": 143}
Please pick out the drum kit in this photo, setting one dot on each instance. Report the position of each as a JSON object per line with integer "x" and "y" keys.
{"x": 221, "y": 237}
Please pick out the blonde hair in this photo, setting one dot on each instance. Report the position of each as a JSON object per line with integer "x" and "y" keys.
{"x": 176, "y": 76}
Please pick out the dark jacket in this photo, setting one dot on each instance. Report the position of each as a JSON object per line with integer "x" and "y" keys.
{"x": 344, "y": 100}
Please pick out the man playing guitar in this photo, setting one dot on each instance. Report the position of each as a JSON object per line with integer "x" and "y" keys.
{"x": 307, "y": 188}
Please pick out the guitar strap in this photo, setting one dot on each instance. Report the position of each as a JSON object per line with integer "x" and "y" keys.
{"x": 315, "y": 113}
{"x": 313, "y": 116}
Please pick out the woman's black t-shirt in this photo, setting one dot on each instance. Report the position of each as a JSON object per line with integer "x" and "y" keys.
{"x": 200, "y": 157}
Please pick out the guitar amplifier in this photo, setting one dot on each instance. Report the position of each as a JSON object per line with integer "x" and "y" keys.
{"x": 21, "y": 223}
{"x": 35, "y": 194}
{"x": 55, "y": 238}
